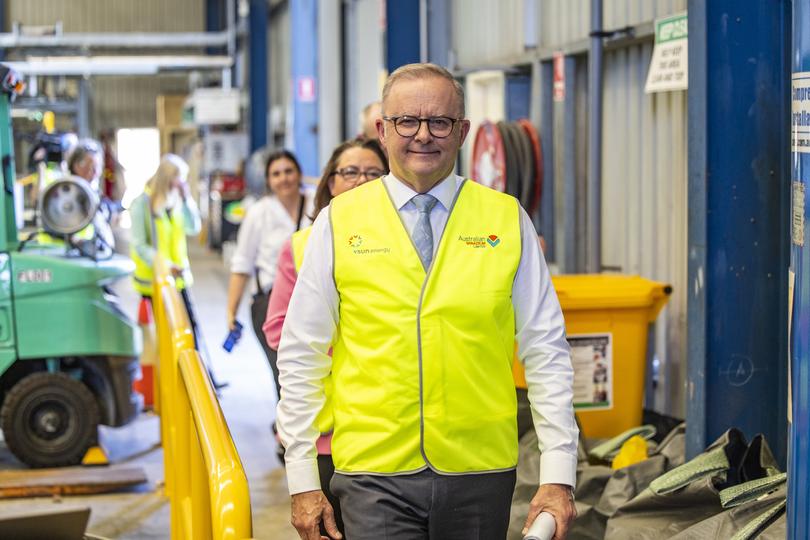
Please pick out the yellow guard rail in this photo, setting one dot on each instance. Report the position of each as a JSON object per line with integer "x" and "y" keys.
{"x": 205, "y": 481}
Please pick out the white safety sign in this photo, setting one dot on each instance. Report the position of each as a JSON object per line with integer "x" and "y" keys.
{"x": 800, "y": 112}
{"x": 592, "y": 359}
{"x": 669, "y": 67}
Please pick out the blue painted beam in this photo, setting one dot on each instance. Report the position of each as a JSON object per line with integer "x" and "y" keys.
{"x": 439, "y": 29}
{"x": 799, "y": 447}
{"x": 304, "y": 30}
{"x": 568, "y": 154}
{"x": 402, "y": 35}
{"x": 259, "y": 68}
{"x": 738, "y": 216}
{"x": 518, "y": 96}
{"x": 547, "y": 144}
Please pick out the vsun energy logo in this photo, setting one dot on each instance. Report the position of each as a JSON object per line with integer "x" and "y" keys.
{"x": 355, "y": 240}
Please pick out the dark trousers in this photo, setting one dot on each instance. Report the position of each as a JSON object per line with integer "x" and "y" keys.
{"x": 425, "y": 506}
{"x": 258, "y": 313}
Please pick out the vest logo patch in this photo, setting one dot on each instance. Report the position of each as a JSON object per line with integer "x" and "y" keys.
{"x": 355, "y": 240}
{"x": 480, "y": 242}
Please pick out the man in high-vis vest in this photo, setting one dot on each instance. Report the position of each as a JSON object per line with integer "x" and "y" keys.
{"x": 421, "y": 283}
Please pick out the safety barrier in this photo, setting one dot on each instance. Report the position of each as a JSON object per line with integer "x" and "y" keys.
{"x": 204, "y": 479}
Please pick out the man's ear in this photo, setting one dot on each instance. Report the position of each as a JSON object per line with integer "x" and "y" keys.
{"x": 380, "y": 124}
{"x": 465, "y": 130}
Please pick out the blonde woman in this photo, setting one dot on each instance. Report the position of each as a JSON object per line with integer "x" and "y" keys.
{"x": 162, "y": 216}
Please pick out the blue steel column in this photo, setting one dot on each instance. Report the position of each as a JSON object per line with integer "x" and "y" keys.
{"x": 439, "y": 30}
{"x": 799, "y": 448}
{"x": 402, "y": 34}
{"x": 304, "y": 34}
{"x": 259, "y": 68}
{"x": 738, "y": 217}
{"x": 547, "y": 146}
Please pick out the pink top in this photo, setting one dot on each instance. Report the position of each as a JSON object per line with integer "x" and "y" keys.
{"x": 280, "y": 295}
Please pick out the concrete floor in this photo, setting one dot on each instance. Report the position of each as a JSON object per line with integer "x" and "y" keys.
{"x": 249, "y": 407}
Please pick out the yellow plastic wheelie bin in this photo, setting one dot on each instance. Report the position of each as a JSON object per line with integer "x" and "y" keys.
{"x": 606, "y": 320}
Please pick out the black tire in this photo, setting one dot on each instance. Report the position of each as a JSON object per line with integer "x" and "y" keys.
{"x": 49, "y": 420}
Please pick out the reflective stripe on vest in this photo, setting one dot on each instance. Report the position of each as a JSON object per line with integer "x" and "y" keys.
{"x": 422, "y": 360}
{"x": 168, "y": 237}
{"x": 325, "y": 420}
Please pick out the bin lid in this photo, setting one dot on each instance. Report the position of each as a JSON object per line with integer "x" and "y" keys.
{"x": 610, "y": 291}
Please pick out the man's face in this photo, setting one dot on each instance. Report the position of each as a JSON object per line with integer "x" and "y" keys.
{"x": 87, "y": 167}
{"x": 422, "y": 160}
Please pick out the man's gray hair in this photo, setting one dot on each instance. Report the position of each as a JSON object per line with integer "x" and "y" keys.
{"x": 421, "y": 71}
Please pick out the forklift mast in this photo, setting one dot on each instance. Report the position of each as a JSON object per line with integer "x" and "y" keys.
{"x": 11, "y": 86}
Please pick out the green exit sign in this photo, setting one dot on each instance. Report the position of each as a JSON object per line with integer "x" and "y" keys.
{"x": 671, "y": 28}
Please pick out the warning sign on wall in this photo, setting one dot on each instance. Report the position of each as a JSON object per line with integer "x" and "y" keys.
{"x": 800, "y": 112}
{"x": 559, "y": 76}
{"x": 305, "y": 89}
{"x": 669, "y": 67}
{"x": 592, "y": 358}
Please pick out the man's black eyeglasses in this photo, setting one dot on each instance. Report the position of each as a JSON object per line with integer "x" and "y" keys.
{"x": 408, "y": 126}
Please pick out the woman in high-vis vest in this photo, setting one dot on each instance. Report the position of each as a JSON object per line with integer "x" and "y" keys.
{"x": 162, "y": 216}
{"x": 269, "y": 222}
{"x": 353, "y": 162}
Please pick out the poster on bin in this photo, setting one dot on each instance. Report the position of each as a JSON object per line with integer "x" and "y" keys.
{"x": 592, "y": 358}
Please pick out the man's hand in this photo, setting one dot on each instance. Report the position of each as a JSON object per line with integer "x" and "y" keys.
{"x": 308, "y": 510}
{"x": 557, "y": 500}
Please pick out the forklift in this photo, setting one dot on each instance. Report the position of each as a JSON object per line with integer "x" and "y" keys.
{"x": 68, "y": 353}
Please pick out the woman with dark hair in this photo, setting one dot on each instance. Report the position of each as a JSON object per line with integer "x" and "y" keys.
{"x": 269, "y": 222}
{"x": 353, "y": 163}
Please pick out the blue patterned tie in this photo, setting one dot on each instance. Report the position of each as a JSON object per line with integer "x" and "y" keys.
{"x": 422, "y": 233}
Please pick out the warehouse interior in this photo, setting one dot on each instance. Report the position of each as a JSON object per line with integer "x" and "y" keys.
{"x": 658, "y": 148}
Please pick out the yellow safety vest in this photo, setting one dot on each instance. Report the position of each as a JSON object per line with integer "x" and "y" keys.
{"x": 298, "y": 243}
{"x": 168, "y": 237}
{"x": 325, "y": 421}
{"x": 422, "y": 360}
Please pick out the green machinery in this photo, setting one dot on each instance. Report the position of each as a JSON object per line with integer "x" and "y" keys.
{"x": 68, "y": 354}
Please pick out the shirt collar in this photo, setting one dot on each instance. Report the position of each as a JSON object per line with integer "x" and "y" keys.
{"x": 401, "y": 193}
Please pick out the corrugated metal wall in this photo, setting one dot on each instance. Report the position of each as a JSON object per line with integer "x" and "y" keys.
{"x": 563, "y": 21}
{"x": 644, "y": 199}
{"x": 111, "y": 15}
{"x": 129, "y": 102}
{"x": 485, "y": 31}
{"x": 644, "y": 209}
{"x": 619, "y": 13}
{"x": 118, "y": 102}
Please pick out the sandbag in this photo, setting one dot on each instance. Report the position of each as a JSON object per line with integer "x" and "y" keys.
{"x": 690, "y": 494}
{"x": 624, "y": 484}
{"x": 749, "y": 509}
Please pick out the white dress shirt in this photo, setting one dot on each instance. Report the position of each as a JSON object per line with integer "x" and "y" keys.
{"x": 312, "y": 318}
{"x": 267, "y": 225}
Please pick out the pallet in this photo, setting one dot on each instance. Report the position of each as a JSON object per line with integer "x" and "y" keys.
{"x": 68, "y": 481}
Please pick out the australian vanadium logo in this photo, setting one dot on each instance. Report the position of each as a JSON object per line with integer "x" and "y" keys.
{"x": 480, "y": 242}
